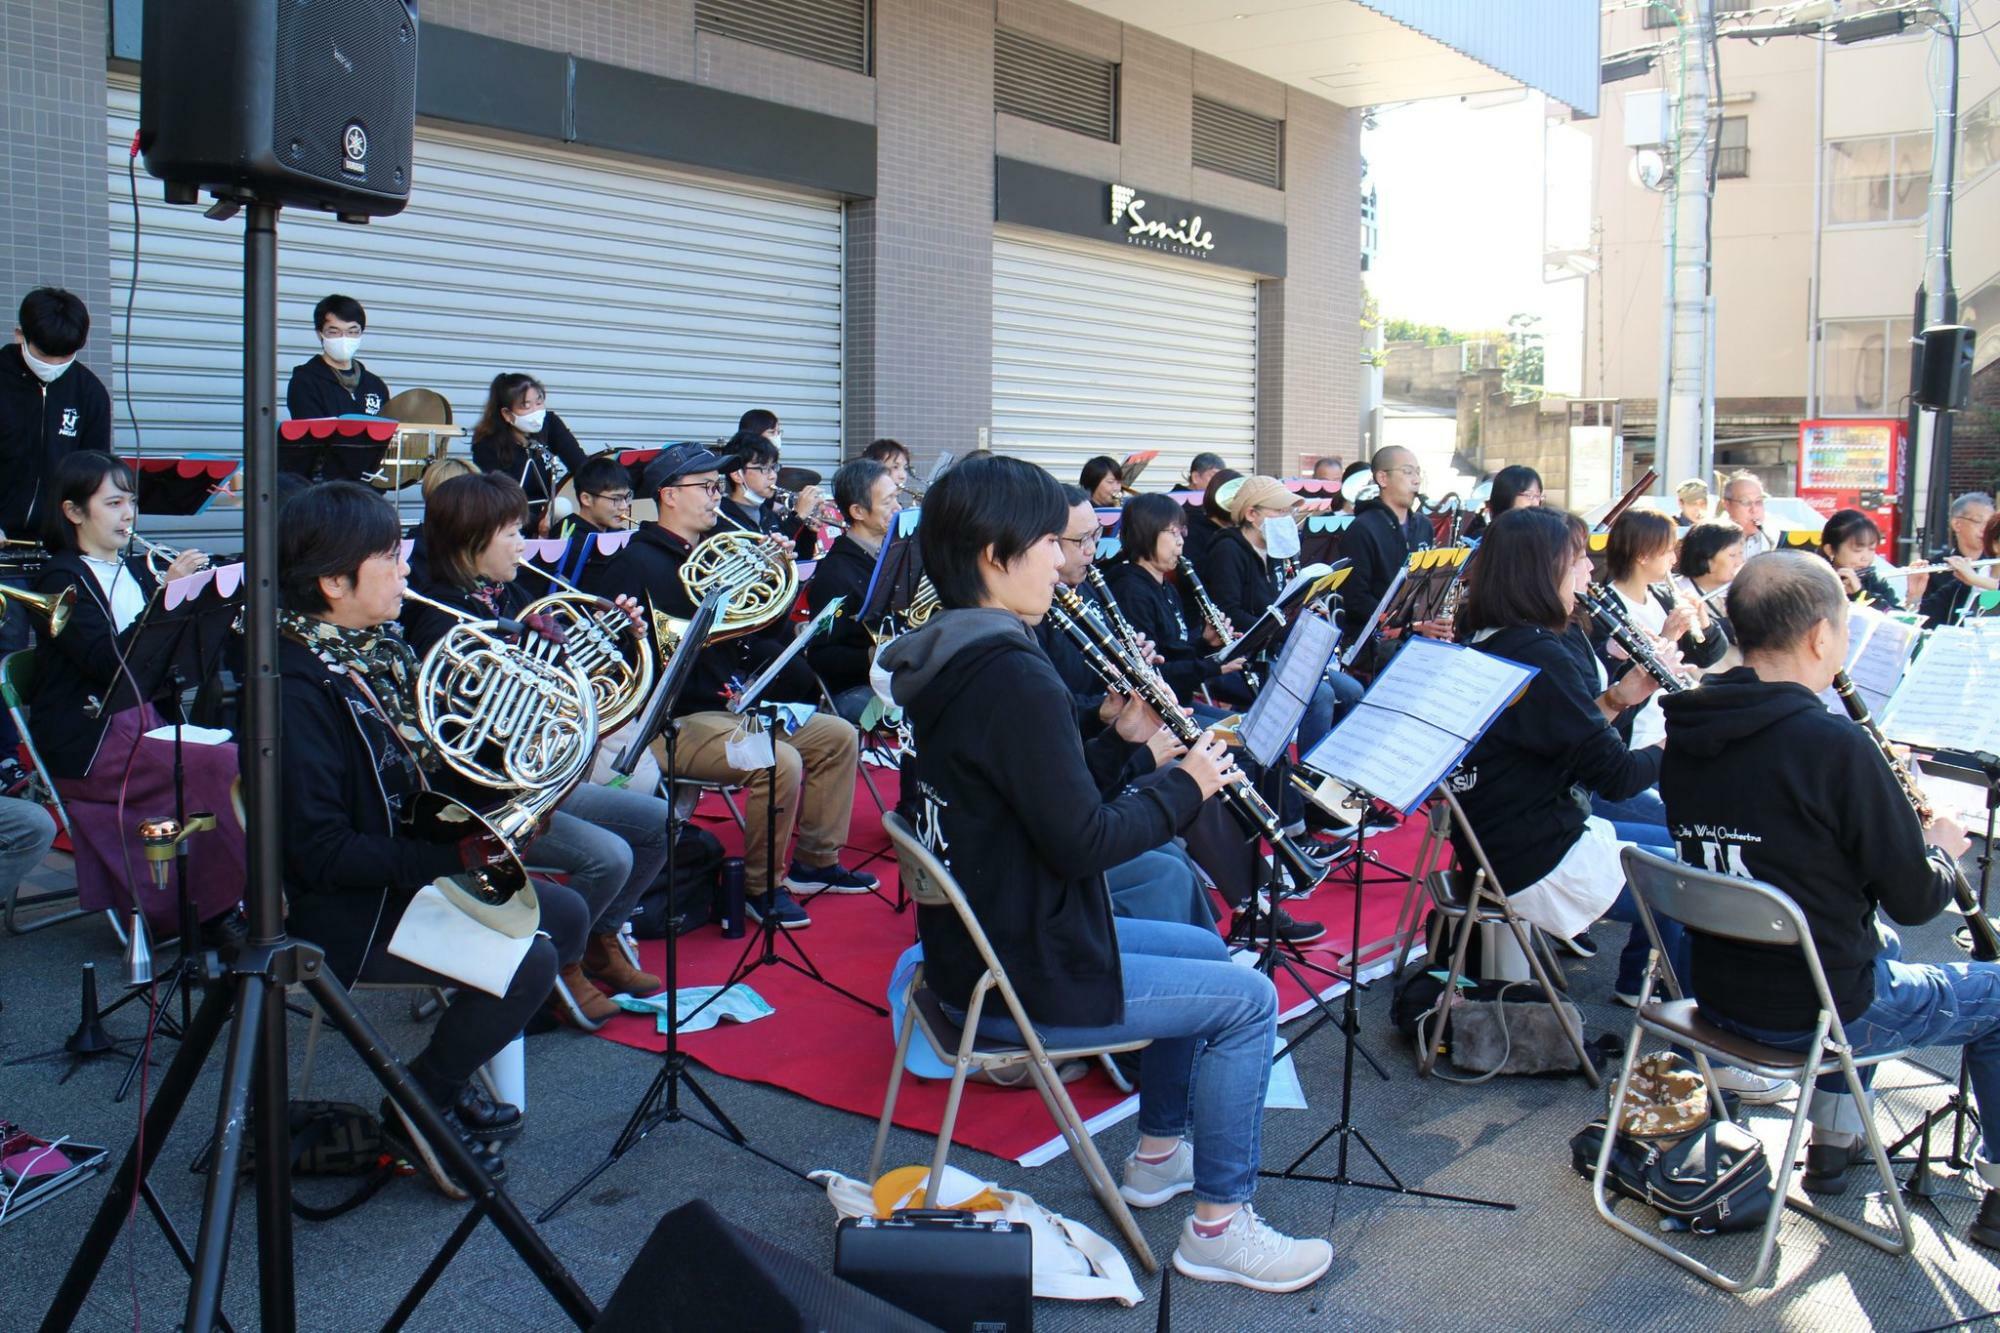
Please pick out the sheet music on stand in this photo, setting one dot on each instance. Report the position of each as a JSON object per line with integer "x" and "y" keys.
{"x": 1426, "y": 709}
{"x": 1275, "y": 715}
{"x": 1878, "y": 652}
{"x": 1949, "y": 698}
{"x": 755, "y": 689}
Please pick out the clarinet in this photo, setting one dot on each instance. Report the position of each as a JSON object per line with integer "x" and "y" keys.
{"x": 1211, "y": 614}
{"x": 1985, "y": 939}
{"x": 1122, "y": 676}
{"x": 1597, "y": 601}
{"x": 1112, "y": 609}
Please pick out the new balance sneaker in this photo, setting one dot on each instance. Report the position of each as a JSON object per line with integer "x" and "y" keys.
{"x": 806, "y": 880}
{"x": 1150, "y": 1184}
{"x": 1291, "y": 930}
{"x": 1251, "y": 1254}
{"x": 780, "y": 907}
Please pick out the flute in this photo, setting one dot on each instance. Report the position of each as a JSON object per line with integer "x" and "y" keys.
{"x": 1938, "y": 568}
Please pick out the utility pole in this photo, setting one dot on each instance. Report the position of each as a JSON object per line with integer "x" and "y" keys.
{"x": 1686, "y": 444}
{"x": 1927, "y": 470}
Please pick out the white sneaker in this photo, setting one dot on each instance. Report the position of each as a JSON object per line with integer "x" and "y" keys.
{"x": 1250, "y": 1254}
{"x": 1753, "y": 1089}
{"x": 1150, "y": 1184}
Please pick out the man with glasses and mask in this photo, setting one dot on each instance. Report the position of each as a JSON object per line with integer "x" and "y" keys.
{"x": 1945, "y": 598}
{"x": 335, "y": 383}
{"x": 687, "y": 483}
{"x": 1384, "y": 532}
{"x": 750, "y": 476}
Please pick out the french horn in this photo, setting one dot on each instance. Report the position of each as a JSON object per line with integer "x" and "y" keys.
{"x": 761, "y": 580}
{"x": 603, "y": 642}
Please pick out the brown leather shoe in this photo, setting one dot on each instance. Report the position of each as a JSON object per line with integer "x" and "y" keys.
{"x": 584, "y": 1006}
{"x": 605, "y": 962}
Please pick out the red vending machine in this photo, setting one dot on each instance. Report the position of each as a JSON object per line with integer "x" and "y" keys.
{"x": 1853, "y": 465}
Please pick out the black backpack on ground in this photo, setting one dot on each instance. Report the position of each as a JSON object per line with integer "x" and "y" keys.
{"x": 698, "y": 878}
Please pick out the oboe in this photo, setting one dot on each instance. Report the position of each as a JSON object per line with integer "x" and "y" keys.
{"x": 1985, "y": 939}
{"x": 1597, "y": 601}
{"x": 1122, "y": 676}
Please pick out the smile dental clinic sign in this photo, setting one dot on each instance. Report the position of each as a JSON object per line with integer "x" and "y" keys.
{"x": 1182, "y": 236}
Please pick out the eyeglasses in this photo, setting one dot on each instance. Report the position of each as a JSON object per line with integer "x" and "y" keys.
{"x": 617, "y": 499}
{"x": 768, "y": 468}
{"x": 1079, "y": 543}
{"x": 1410, "y": 470}
{"x": 712, "y": 487}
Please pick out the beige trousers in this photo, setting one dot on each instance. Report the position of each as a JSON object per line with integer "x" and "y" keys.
{"x": 823, "y": 751}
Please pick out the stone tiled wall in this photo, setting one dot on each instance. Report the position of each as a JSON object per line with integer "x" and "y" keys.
{"x": 53, "y": 207}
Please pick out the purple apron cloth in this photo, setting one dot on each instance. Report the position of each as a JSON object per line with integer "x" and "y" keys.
{"x": 109, "y": 854}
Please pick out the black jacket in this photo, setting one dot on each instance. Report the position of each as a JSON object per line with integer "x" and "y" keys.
{"x": 649, "y": 569}
{"x": 1239, "y": 578}
{"x": 492, "y": 453}
{"x": 767, "y": 519}
{"x": 1378, "y": 546}
{"x": 1085, "y": 686}
{"x": 1154, "y": 608}
{"x": 315, "y": 391}
{"x": 424, "y": 625}
{"x": 39, "y": 427}
{"x": 844, "y": 649}
{"x": 1526, "y": 785}
{"x": 1760, "y": 780}
{"x": 341, "y": 787}
{"x": 1945, "y": 595}
{"x": 80, "y": 667}
{"x": 1016, "y": 814}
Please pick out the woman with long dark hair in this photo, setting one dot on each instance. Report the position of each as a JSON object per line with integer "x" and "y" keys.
{"x": 520, "y": 438}
{"x": 1016, "y": 814}
{"x": 611, "y": 841}
{"x": 101, "y": 725}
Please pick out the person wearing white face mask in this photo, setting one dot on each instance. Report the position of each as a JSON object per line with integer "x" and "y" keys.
{"x": 50, "y": 407}
{"x": 335, "y": 383}
{"x": 520, "y": 438}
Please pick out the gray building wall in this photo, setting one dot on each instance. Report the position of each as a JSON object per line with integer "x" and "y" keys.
{"x": 52, "y": 197}
{"x": 918, "y": 361}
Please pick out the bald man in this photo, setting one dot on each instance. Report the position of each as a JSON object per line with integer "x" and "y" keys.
{"x": 1384, "y": 532}
{"x": 1762, "y": 782}
{"x": 1743, "y": 501}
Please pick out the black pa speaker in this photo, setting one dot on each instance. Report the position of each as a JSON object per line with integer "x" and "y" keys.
{"x": 697, "y": 1271}
{"x": 1944, "y": 367}
{"x": 306, "y": 103}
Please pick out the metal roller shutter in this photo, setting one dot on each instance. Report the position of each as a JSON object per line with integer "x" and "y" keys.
{"x": 1098, "y": 350}
{"x": 655, "y": 306}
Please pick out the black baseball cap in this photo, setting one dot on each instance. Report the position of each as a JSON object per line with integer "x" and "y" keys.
{"x": 677, "y": 461}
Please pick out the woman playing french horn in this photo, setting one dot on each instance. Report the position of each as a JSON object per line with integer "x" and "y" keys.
{"x": 610, "y": 841}
{"x": 354, "y": 760}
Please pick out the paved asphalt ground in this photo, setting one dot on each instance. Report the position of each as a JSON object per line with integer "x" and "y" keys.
{"x": 1402, "y": 1263}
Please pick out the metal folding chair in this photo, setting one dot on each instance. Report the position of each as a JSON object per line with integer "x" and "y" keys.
{"x": 961, "y": 1045}
{"x": 1757, "y": 913}
{"x": 1475, "y": 898}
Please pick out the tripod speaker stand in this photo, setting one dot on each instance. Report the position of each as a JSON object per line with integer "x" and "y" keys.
{"x": 247, "y": 993}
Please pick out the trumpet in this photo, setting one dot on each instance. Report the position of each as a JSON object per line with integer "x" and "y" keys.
{"x": 1122, "y": 674}
{"x": 51, "y": 606}
{"x": 159, "y": 557}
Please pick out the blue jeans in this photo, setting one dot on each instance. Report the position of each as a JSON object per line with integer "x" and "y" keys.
{"x": 1160, "y": 885}
{"x": 26, "y": 832}
{"x": 849, "y": 704}
{"x": 612, "y": 843}
{"x": 1182, "y": 991}
{"x": 1916, "y": 1004}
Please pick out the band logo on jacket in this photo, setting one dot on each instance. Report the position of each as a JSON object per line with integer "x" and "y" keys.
{"x": 71, "y": 419}
{"x": 1463, "y": 779}
{"x": 930, "y": 821}
{"x": 371, "y": 403}
{"x": 1714, "y": 849}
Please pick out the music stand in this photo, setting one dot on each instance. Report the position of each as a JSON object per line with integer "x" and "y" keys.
{"x": 184, "y": 485}
{"x": 335, "y": 448}
{"x": 762, "y": 948}
{"x": 1309, "y": 584}
{"x": 1426, "y": 709}
{"x": 899, "y": 569}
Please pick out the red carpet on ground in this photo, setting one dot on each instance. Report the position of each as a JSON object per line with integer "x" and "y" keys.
{"x": 830, "y": 1050}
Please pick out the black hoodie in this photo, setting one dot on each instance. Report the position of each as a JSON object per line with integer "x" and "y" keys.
{"x": 316, "y": 391}
{"x": 1760, "y": 780}
{"x": 1379, "y": 546}
{"x": 1006, "y": 796}
{"x": 1526, "y": 785}
{"x": 843, "y": 651}
{"x": 1154, "y": 609}
{"x": 39, "y": 427}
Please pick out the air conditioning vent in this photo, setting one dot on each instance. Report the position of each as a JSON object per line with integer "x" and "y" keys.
{"x": 1037, "y": 81}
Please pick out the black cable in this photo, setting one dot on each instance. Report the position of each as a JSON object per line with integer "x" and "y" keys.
{"x": 131, "y": 293}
